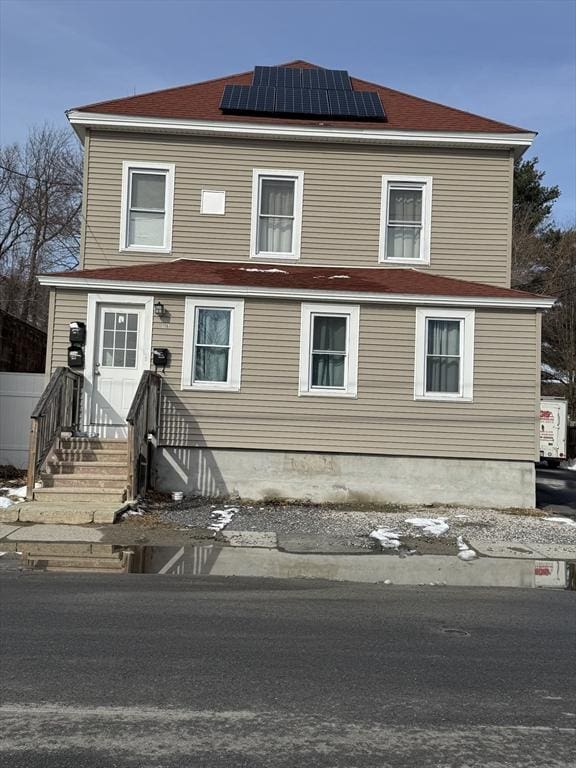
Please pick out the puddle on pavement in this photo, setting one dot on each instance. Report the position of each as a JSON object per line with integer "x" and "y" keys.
{"x": 196, "y": 560}
{"x": 207, "y": 558}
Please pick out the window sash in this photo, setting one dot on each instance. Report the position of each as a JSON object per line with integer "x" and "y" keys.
{"x": 405, "y": 219}
{"x": 131, "y": 240}
{"x": 269, "y": 216}
{"x": 328, "y": 353}
{"x": 204, "y": 346}
{"x": 430, "y": 357}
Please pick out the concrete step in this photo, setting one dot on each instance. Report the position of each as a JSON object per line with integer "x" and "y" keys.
{"x": 68, "y": 510}
{"x": 78, "y": 495}
{"x": 108, "y": 482}
{"x": 48, "y": 549}
{"x": 86, "y": 467}
{"x": 92, "y": 443}
{"x": 100, "y": 454}
{"x": 99, "y": 563}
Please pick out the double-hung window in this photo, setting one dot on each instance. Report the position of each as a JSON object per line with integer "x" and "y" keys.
{"x": 276, "y": 213}
{"x": 329, "y": 350}
{"x": 147, "y": 198}
{"x": 444, "y": 354}
{"x": 405, "y": 219}
{"x": 212, "y": 344}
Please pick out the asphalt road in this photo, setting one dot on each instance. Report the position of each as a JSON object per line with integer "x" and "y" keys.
{"x": 556, "y": 490}
{"x": 105, "y": 671}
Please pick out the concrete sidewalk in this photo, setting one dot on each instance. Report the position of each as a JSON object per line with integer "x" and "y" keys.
{"x": 199, "y": 552}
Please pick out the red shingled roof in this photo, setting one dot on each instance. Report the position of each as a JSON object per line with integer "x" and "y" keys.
{"x": 200, "y": 101}
{"x": 250, "y": 274}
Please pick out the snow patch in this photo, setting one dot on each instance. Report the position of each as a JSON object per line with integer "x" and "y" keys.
{"x": 333, "y": 277}
{"x": 257, "y": 269}
{"x": 564, "y": 520}
{"x": 388, "y": 538}
{"x": 131, "y": 513}
{"x": 221, "y": 517}
{"x": 435, "y": 526}
{"x": 5, "y": 503}
{"x": 464, "y": 551}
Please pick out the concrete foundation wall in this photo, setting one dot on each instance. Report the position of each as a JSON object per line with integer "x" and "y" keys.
{"x": 345, "y": 478}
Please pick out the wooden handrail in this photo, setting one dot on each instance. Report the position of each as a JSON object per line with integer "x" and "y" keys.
{"x": 58, "y": 409}
{"x": 142, "y": 420}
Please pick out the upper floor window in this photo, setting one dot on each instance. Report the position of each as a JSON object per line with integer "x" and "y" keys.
{"x": 276, "y": 213}
{"x": 212, "y": 356}
{"x": 405, "y": 219}
{"x": 329, "y": 350}
{"x": 147, "y": 198}
{"x": 444, "y": 354}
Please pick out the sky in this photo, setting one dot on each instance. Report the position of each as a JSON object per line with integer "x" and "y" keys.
{"x": 512, "y": 60}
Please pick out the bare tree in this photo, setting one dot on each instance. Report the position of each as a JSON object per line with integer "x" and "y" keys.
{"x": 40, "y": 201}
{"x": 558, "y": 278}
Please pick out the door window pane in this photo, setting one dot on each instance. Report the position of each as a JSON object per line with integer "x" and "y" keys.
{"x": 329, "y": 349}
{"x": 119, "y": 345}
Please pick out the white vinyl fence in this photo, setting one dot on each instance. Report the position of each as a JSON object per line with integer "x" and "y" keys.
{"x": 19, "y": 393}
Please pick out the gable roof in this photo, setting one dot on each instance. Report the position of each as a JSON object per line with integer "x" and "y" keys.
{"x": 200, "y": 101}
{"x": 292, "y": 279}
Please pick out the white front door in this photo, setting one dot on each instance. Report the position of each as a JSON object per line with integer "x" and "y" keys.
{"x": 120, "y": 357}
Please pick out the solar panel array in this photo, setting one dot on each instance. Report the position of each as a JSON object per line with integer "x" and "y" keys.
{"x": 294, "y": 77}
{"x": 295, "y": 91}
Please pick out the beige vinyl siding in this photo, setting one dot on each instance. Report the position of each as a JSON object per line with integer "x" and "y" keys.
{"x": 471, "y": 201}
{"x": 267, "y": 413}
{"x": 385, "y": 418}
{"x": 69, "y": 306}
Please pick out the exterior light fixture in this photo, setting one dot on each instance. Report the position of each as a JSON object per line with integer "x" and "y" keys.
{"x": 158, "y": 308}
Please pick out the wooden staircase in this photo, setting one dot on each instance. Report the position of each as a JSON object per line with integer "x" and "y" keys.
{"x": 82, "y": 469}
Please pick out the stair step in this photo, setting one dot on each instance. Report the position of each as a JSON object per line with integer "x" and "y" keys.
{"x": 89, "y": 455}
{"x": 106, "y": 482}
{"x": 86, "y": 467}
{"x": 92, "y": 443}
{"x": 66, "y": 495}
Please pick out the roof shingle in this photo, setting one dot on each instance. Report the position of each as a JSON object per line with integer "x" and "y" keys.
{"x": 200, "y": 101}
{"x": 410, "y": 282}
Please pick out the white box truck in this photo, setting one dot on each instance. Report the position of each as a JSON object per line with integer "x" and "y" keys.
{"x": 553, "y": 430}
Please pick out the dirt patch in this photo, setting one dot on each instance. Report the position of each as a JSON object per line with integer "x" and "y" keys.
{"x": 11, "y": 476}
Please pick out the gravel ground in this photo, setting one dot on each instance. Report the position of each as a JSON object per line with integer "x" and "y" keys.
{"x": 486, "y": 524}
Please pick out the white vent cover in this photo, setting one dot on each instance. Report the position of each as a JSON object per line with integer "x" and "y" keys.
{"x": 213, "y": 202}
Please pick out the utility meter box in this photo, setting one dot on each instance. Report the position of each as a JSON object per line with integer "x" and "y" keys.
{"x": 160, "y": 357}
{"x": 75, "y": 357}
{"x": 77, "y": 333}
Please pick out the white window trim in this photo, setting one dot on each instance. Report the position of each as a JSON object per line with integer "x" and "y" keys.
{"x": 467, "y": 318}
{"x": 426, "y": 183}
{"x": 235, "y": 356}
{"x": 298, "y": 176}
{"x": 351, "y": 374}
{"x": 139, "y": 165}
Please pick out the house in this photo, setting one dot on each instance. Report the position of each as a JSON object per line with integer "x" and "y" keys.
{"x": 297, "y": 284}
